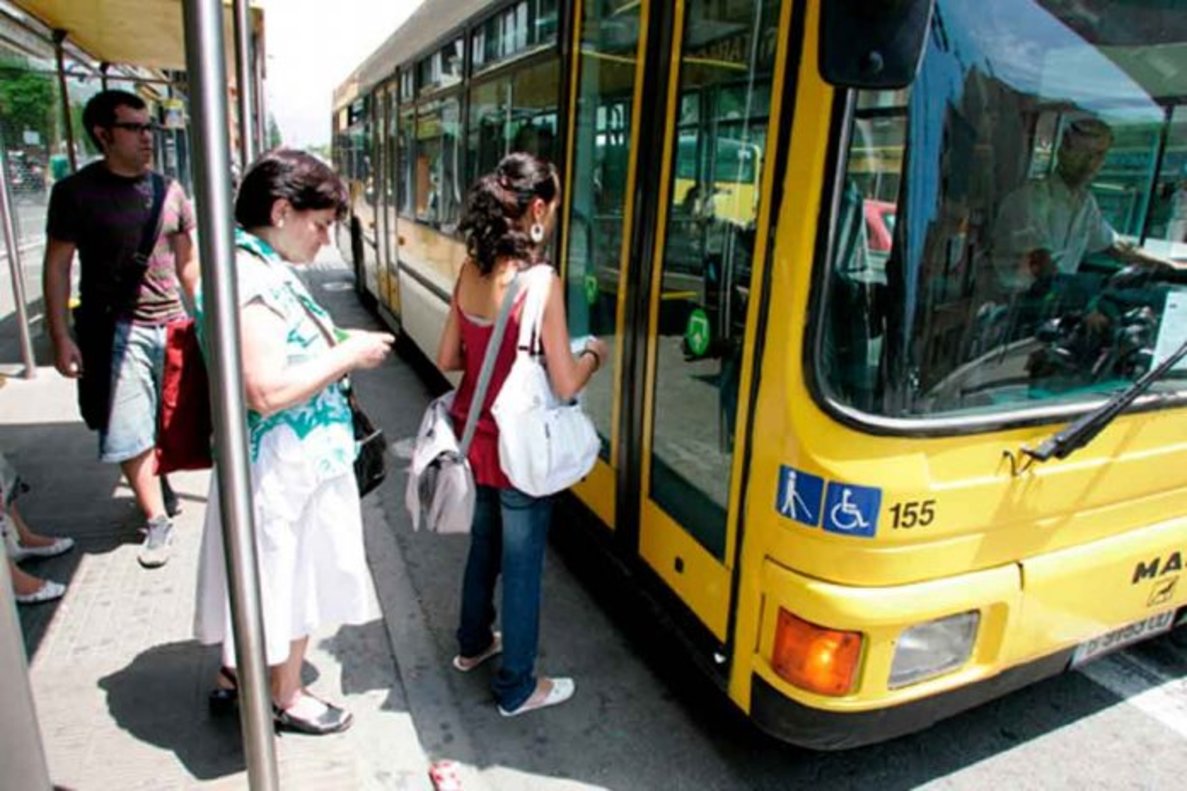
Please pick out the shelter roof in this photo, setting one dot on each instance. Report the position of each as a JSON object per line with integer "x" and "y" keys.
{"x": 147, "y": 33}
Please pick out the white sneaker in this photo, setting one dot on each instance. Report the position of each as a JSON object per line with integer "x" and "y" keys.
{"x": 158, "y": 537}
{"x": 562, "y": 690}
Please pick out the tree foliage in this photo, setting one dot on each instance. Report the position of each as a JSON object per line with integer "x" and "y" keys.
{"x": 27, "y": 102}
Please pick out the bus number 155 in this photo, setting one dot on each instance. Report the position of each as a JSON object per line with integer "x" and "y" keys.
{"x": 917, "y": 513}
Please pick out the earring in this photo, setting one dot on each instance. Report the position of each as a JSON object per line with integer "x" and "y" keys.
{"x": 536, "y": 232}
{"x": 280, "y": 223}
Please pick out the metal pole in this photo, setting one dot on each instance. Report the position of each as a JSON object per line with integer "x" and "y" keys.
{"x": 263, "y": 129}
{"x": 59, "y": 39}
{"x": 245, "y": 82}
{"x": 103, "y": 67}
{"x": 15, "y": 269}
{"x": 21, "y": 753}
{"x": 212, "y": 193}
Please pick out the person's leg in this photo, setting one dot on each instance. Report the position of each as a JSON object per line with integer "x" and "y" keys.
{"x": 295, "y": 707}
{"x": 286, "y": 677}
{"x": 142, "y": 477}
{"x": 525, "y": 534}
{"x": 29, "y": 589}
{"x": 23, "y": 543}
{"x": 169, "y": 498}
{"x": 474, "y": 633}
{"x": 137, "y": 358}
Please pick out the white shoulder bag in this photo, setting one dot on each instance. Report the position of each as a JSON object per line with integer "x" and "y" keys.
{"x": 545, "y": 445}
{"x": 441, "y": 491}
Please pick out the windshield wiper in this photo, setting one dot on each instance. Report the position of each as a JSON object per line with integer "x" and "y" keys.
{"x": 1084, "y": 430}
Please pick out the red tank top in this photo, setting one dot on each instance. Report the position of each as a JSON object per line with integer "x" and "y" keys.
{"x": 484, "y": 449}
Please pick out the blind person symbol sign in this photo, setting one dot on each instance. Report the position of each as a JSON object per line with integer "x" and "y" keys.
{"x": 844, "y": 508}
{"x": 799, "y": 496}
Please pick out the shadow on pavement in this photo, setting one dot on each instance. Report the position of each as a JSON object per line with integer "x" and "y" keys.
{"x": 70, "y": 494}
{"x": 365, "y": 655}
{"x": 10, "y": 338}
{"x": 160, "y": 699}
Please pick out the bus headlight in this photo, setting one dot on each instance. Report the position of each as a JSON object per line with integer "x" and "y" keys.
{"x": 931, "y": 649}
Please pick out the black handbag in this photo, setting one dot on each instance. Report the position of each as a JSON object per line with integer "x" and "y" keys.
{"x": 370, "y": 467}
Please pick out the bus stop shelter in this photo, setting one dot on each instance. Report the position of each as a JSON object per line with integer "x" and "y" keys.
{"x": 187, "y": 36}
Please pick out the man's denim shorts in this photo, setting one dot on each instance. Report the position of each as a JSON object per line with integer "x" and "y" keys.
{"x": 137, "y": 362}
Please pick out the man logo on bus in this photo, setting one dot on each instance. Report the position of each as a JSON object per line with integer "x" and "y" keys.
{"x": 799, "y": 496}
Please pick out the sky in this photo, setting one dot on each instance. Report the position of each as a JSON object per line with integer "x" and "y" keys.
{"x": 312, "y": 45}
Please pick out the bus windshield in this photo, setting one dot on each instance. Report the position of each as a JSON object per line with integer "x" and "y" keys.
{"x": 1011, "y": 230}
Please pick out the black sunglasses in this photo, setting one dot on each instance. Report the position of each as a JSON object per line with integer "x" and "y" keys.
{"x": 132, "y": 126}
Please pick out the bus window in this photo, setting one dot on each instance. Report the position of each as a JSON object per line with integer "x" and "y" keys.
{"x": 1037, "y": 191}
{"x": 527, "y": 24}
{"x": 601, "y": 157}
{"x": 437, "y": 178}
{"x": 406, "y": 165}
{"x": 726, "y": 67}
{"x": 516, "y": 112}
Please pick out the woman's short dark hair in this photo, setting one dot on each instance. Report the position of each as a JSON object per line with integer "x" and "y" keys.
{"x": 100, "y": 111}
{"x": 497, "y": 203}
{"x": 302, "y": 179}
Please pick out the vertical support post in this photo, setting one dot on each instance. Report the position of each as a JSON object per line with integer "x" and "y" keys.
{"x": 12, "y": 246}
{"x": 59, "y": 39}
{"x": 21, "y": 752}
{"x": 103, "y": 67}
{"x": 245, "y": 83}
{"x": 263, "y": 129}
{"x": 212, "y": 192}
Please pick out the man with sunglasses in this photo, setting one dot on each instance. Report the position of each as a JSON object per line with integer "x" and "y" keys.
{"x": 131, "y": 229}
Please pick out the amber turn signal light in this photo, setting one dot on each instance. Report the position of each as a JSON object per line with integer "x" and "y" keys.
{"x": 814, "y": 658}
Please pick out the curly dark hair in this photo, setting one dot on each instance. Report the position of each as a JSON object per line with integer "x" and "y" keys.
{"x": 497, "y": 203}
{"x": 302, "y": 179}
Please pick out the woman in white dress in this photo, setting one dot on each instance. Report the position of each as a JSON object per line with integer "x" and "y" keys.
{"x": 308, "y": 526}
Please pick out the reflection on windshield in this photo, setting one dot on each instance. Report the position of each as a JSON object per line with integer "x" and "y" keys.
{"x": 1013, "y": 229}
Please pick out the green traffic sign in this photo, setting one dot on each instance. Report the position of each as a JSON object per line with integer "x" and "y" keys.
{"x": 590, "y": 284}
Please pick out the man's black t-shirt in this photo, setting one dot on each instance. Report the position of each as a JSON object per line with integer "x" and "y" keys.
{"x": 103, "y": 215}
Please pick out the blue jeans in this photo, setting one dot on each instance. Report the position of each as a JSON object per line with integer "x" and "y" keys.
{"x": 509, "y": 533}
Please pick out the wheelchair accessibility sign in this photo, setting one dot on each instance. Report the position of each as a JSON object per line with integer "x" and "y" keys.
{"x": 844, "y": 508}
{"x": 852, "y": 510}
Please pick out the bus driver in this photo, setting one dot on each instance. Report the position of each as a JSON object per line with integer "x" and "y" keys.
{"x": 1047, "y": 226}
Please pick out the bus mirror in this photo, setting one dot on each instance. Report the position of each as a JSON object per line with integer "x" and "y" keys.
{"x": 873, "y": 44}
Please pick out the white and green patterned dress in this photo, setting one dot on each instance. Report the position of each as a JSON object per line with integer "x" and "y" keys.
{"x": 308, "y": 525}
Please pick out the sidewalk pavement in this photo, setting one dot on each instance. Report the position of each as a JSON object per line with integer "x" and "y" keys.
{"x": 120, "y": 684}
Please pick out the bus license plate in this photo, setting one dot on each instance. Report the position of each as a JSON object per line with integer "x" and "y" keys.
{"x": 1126, "y": 635}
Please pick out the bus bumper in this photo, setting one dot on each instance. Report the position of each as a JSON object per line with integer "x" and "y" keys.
{"x": 803, "y": 725}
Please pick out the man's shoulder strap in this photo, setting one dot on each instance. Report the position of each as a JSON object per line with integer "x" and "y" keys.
{"x": 152, "y": 226}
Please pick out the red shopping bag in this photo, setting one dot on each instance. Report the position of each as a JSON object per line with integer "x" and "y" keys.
{"x": 184, "y": 425}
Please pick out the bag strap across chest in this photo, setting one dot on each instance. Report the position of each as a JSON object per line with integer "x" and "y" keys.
{"x": 488, "y": 365}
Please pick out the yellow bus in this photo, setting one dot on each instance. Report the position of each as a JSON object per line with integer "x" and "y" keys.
{"x": 868, "y": 481}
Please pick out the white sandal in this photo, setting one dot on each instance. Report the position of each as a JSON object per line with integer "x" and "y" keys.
{"x": 49, "y": 591}
{"x": 562, "y": 690}
{"x": 465, "y": 664}
{"x": 18, "y": 552}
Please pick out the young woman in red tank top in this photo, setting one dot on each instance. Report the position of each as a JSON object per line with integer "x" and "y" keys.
{"x": 508, "y": 220}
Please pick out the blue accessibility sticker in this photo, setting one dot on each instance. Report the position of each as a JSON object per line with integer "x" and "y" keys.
{"x": 852, "y": 510}
{"x": 799, "y": 496}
